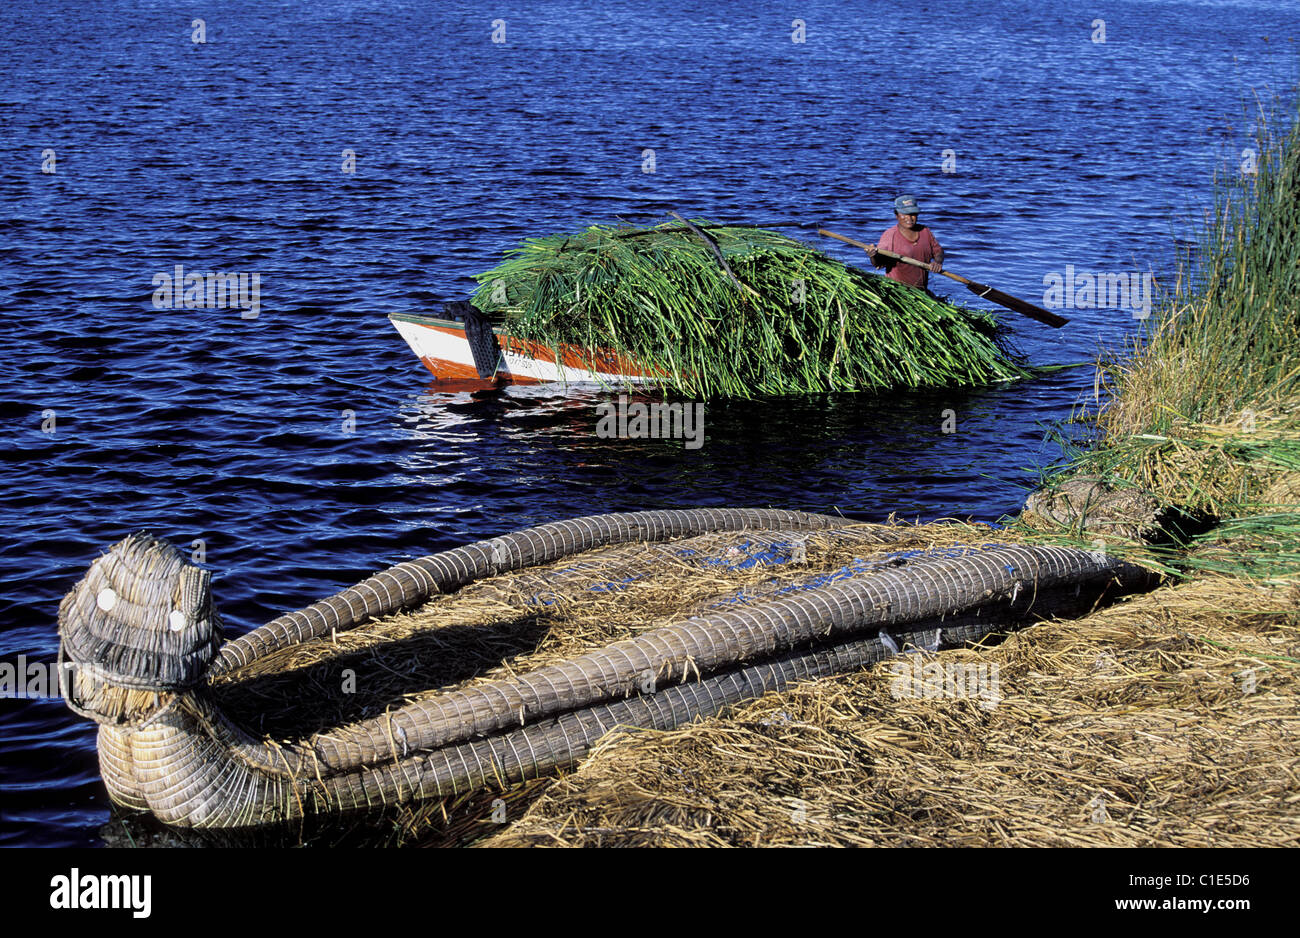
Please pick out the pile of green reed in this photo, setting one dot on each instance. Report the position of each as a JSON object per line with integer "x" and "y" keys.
{"x": 801, "y": 323}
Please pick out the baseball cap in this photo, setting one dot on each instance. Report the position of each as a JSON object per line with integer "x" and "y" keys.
{"x": 906, "y": 205}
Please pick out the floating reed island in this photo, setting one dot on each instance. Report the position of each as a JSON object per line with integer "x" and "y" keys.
{"x": 733, "y": 311}
{"x": 482, "y": 668}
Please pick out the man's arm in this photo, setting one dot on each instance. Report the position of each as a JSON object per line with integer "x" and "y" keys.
{"x": 878, "y": 260}
{"x": 936, "y": 262}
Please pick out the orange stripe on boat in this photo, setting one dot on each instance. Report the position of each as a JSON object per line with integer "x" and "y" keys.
{"x": 600, "y": 360}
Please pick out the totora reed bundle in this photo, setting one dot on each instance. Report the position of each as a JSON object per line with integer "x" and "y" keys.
{"x": 786, "y": 319}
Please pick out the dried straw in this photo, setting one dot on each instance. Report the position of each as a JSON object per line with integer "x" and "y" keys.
{"x": 1169, "y": 719}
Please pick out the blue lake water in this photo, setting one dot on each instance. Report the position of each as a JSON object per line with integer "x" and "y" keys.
{"x": 228, "y": 155}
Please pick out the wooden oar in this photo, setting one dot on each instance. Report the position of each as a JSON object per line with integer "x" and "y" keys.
{"x": 981, "y": 290}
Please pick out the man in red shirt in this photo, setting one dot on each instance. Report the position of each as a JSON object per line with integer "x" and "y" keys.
{"x": 908, "y": 238}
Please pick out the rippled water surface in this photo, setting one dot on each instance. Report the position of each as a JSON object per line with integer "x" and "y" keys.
{"x": 227, "y": 155}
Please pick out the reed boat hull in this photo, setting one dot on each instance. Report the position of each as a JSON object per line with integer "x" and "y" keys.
{"x": 442, "y": 346}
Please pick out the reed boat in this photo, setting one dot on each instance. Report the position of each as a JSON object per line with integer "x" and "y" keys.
{"x": 462, "y": 348}
{"x": 481, "y": 668}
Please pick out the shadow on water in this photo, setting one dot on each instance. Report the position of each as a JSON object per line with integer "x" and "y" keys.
{"x": 960, "y": 452}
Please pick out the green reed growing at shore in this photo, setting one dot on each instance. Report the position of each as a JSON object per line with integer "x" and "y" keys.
{"x": 1205, "y": 413}
{"x": 1227, "y": 343}
{"x": 799, "y": 322}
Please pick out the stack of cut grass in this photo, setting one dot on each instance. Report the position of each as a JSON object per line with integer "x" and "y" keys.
{"x": 801, "y": 322}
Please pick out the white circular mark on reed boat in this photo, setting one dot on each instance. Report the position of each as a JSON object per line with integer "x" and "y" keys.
{"x": 106, "y": 599}
{"x": 176, "y": 620}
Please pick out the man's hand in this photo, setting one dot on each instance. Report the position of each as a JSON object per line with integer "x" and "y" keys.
{"x": 871, "y": 251}
{"x": 936, "y": 267}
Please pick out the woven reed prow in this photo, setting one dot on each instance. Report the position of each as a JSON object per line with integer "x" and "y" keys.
{"x": 137, "y": 628}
